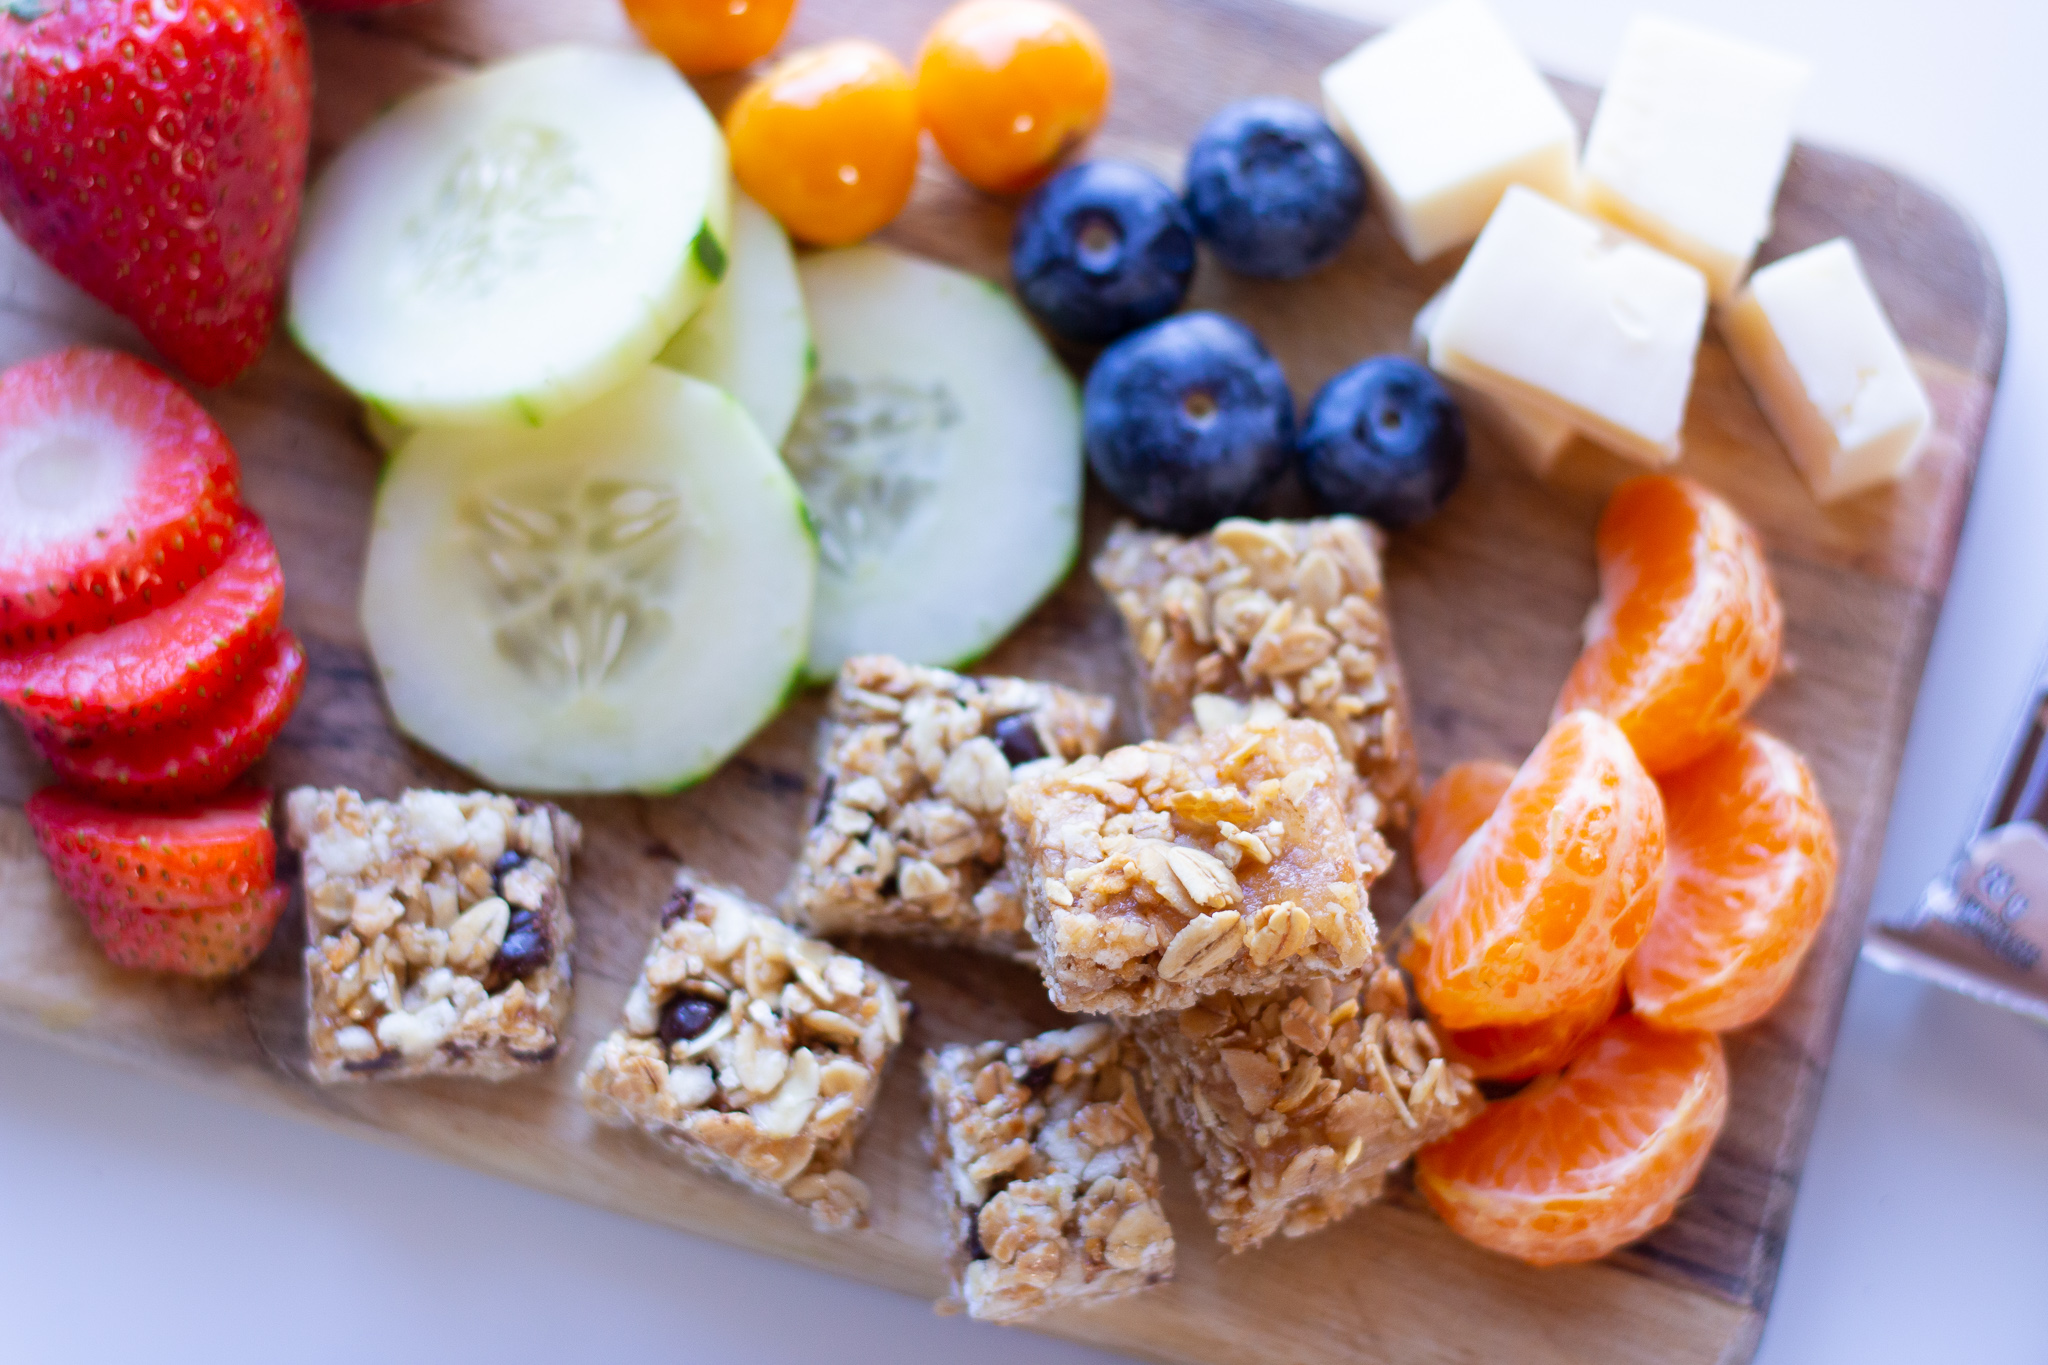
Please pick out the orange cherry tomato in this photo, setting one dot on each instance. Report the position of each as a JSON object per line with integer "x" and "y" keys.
{"x": 705, "y": 37}
{"x": 1009, "y": 87}
{"x": 827, "y": 140}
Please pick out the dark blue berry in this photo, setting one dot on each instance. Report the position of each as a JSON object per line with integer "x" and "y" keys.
{"x": 1188, "y": 421}
{"x": 1273, "y": 190}
{"x": 1384, "y": 440}
{"x": 1102, "y": 249}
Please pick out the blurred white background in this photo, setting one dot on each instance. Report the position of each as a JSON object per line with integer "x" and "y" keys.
{"x": 139, "y": 1222}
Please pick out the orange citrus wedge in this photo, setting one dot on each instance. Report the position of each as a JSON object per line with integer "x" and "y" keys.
{"x": 1688, "y": 627}
{"x": 1541, "y": 908}
{"x": 1453, "y": 808}
{"x": 1589, "y": 1159}
{"x": 1515, "y": 1052}
{"x": 1749, "y": 870}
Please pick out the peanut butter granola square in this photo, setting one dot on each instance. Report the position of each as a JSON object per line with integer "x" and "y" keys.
{"x": 1047, "y": 1172}
{"x": 753, "y": 1051}
{"x": 1292, "y": 1107}
{"x": 439, "y": 932}
{"x": 913, "y": 768}
{"x": 1294, "y": 611}
{"x": 1160, "y": 873}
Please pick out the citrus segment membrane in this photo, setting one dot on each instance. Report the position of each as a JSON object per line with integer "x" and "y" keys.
{"x": 1588, "y": 1160}
{"x": 1749, "y": 874}
{"x": 615, "y": 601}
{"x": 1541, "y": 908}
{"x": 1688, "y": 628}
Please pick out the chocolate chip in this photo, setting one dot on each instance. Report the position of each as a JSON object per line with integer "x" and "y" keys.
{"x": 824, "y": 801}
{"x": 685, "y": 1017}
{"x": 679, "y": 905}
{"x": 889, "y": 886}
{"x": 1040, "y": 1076}
{"x": 1018, "y": 736}
{"x": 546, "y": 1054}
{"x": 380, "y": 1062}
{"x": 508, "y": 861}
{"x": 975, "y": 1250}
{"x": 525, "y": 949}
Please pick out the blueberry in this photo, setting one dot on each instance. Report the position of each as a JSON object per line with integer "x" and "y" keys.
{"x": 1188, "y": 421}
{"x": 1102, "y": 249}
{"x": 1384, "y": 440}
{"x": 1273, "y": 190}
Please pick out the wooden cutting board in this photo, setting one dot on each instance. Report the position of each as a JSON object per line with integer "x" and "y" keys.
{"x": 1487, "y": 599}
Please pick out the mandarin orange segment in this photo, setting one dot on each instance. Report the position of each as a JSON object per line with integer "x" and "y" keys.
{"x": 1587, "y": 1160}
{"x": 1456, "y": 805}
{"x": 1749, "y": 873}
{"x": 1541, "y": 908}
{"x": 827, "y": 140}
{"x": 1688, "y": 628}
{"x": 1515, "y": 1052}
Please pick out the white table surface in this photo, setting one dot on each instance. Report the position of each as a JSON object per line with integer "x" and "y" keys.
{"x": 142, "y": 1223}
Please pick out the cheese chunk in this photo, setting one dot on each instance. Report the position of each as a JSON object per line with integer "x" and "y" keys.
{"x": 1570, "y": 319}
{"x": 1690, "y": 143}
{"x": 1810, "y": 336}
{"x": 1536, "y": 438}
{"x": 1446, "y": 112}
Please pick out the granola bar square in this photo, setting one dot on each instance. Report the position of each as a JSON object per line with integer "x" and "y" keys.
{"x": 438, "y": 930}
{"x": 1293, "y": 1106}
{"x": 753, "y": 1051}
{"x": 1046, "y": 1168}
{"x": 1294, "y": 611}
{"x": 913, "y": 768}
{"x": 1160, "y": 873}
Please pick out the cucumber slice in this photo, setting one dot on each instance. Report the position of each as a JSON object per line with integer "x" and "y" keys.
{"x": 612, "y": 602}
{"x": 939, "y": 450}
{"x": 751, "y": 337}
{"x": 505, "y": 247}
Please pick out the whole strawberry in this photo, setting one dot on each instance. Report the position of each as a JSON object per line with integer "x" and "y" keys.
{"x": 153, "y": 151}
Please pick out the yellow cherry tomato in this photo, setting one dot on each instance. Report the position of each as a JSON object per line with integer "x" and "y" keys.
{"x": 705, "y": 37}
{"x": 1009, "y": 87}
{"x": 827, "y": 140}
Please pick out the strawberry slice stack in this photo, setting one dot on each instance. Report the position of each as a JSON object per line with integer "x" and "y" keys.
{"x": 140, "y": 646}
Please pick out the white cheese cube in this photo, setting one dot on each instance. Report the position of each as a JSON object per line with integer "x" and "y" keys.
{"x": 1567, "y": 318}
{"x": 1810, "y": 336}
{"x": 1690, "y": 143}
{"x": 1446, "y": 112}
{"x": 1536, "y": 438}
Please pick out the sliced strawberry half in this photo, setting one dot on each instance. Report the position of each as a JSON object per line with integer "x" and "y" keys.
{"x": 173, "y": 665}
{"x": 117, "y": 493}
{"x": 209, "y": 942}
{"x": 187, "y": 859}
{"x": 190, "y": 761}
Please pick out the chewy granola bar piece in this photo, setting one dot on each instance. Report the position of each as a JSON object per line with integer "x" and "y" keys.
{"x": 753, "y": 1051}
{"x": 1291, "y": 610}
{"x": 1160, "y": 873}
{"x": 438, "y": 932}
{"x": 1292, "y": 1107}
{"x": 1047, "y": 1172}
{"x": 913, "y": 768}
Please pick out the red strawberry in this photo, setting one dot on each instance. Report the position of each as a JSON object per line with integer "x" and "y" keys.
{"x": 172, "y": 665}
{"x": 153, "y": 151}
{"x": 211, "y": 942}
{"x": 186, "y": 762}
{"x": 117, "y": 492}
{"x": 186, "y": 859}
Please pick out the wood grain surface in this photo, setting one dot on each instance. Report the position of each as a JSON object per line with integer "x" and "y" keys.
{"x": 1487, "y": 598}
